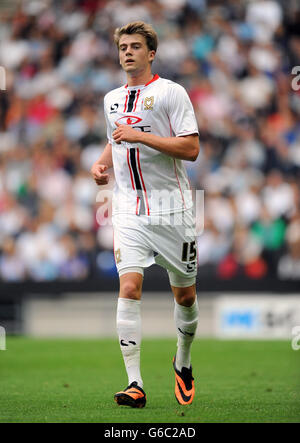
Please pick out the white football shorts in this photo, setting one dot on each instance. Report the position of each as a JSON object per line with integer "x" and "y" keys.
{"x": 168, "y": 240}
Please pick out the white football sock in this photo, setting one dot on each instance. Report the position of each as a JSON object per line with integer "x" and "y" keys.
{"x": 186, "y": 321}
{"x": 130, "y": 334}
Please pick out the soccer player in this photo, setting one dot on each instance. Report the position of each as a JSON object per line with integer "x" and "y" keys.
{"x": 151, "y": 128}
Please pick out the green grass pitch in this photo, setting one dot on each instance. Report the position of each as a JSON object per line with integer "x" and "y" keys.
{"x": 74, "y": 381}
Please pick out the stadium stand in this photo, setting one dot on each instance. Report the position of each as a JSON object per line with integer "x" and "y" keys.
{"x": 234, "y": 58}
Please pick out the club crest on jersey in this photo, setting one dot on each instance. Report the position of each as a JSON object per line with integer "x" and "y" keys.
{"x": 118, "y": 256}
{"x": 149, "y": 102}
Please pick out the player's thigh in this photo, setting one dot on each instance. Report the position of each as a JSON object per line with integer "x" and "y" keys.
{"x": 176, "y": 246}
{"x": 130, "y": 245}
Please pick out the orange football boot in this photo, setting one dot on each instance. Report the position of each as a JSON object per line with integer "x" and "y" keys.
{"x": 184, "y": 385}
{"x": 133, "y": 396}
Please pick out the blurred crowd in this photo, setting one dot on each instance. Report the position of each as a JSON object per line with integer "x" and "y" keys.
{"x": 235, "y": 59}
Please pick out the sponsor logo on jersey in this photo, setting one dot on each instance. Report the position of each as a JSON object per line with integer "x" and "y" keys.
{"x": 114, "y": 108}
{"x": 129, "y": 120}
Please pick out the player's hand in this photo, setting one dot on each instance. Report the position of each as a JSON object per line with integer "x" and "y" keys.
{"x": 125, "y": 133}
{"x": 98, "y": 173}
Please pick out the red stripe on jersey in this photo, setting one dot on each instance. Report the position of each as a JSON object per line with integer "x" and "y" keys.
{"x": 126, "y": 102}
{"x": 137, "y": 205}
{"x": 175, "y": 168}
{"x": 129, "y": 166}
{"x": 141, "y": 175}
{"x": 138, "y": 94}
{"x": 170, "y": 127}
{"x": 114, "y": 245}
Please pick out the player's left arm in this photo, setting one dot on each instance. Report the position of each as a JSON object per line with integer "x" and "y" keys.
{"x": 182, "y": 147}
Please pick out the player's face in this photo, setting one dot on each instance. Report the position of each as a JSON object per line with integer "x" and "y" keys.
{"x": 134, "y": 54}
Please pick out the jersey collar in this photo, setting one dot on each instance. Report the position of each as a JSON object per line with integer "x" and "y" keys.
{"x": 155, "y": 77}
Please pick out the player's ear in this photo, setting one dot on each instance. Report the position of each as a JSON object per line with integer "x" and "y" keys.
{"x": 151, "y": 55}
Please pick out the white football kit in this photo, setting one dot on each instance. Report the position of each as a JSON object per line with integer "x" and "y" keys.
{"x": 152, "y": 201}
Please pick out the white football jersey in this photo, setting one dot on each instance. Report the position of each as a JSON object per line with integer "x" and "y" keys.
{"x": 149, "y": 182}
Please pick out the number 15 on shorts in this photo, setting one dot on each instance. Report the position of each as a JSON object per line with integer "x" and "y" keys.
{"x": 189, "y": 254}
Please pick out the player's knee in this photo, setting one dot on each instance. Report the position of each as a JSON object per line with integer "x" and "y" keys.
{"x": 185, "y": 298}
{"x": 131, "y": 290}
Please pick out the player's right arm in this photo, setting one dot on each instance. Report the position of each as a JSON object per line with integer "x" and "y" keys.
{"x": 100, "y": 167}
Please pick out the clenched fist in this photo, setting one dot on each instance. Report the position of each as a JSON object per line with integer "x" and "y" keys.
{"x": 98, "y": 173}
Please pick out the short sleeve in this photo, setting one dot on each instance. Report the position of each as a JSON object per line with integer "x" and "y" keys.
{"x": 180, "y": 111}
{"x": 108, "y": 128}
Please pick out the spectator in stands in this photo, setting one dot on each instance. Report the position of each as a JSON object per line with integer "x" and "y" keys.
{"x": 234, "y": 59}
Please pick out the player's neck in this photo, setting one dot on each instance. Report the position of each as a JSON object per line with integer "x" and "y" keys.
{"x": 139, "y": 79}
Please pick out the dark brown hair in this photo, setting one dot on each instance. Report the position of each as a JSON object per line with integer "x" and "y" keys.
{"x": 138, "y": 28}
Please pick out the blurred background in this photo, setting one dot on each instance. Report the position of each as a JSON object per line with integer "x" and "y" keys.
{"x": 235, "y": 58}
